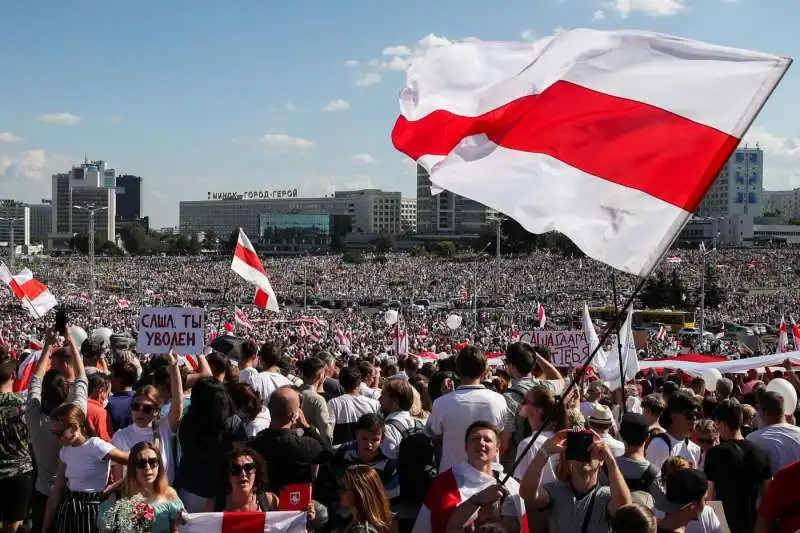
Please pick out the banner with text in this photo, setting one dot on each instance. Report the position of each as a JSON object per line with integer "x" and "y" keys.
{"x": 180, "y": 328}
{"x": 569, "y": 348}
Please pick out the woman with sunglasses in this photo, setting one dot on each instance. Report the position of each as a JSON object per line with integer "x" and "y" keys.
{"x": 82, "y": 475}
{"x": 245, "y": 490}
{"x": 147, "y": 427}
{"x": 146, "y": 481}
{"x": 361, "y": 492}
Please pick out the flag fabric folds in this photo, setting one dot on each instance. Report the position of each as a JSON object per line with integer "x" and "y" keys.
{"x": 271, "y": 522}
{"x": 32, "y": 294}
{"x": 609, "y": 137}
{"x": 247, "y": 264}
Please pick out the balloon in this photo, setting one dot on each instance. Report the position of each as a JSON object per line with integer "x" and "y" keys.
{"x": 391, "y": 317}
{"x": 711, "y": 376}
{"x": 102, "y": 335}
{"x": 78, "y": 335}
{"x": 786, "y": 391}
{"x": 453, "y": 322}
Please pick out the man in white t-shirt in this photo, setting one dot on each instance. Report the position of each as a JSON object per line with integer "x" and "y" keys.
{"x": 271, "y": 379}
{"x": 781, "y": 439}
{"x": 454, "y": 412}
{"x": 682, "y": 410}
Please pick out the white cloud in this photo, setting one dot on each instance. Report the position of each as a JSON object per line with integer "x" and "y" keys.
{"x": 528, "y": 35}
{"x": 599, "y": 15}
{"x": 8, "y": 137}
{"x": 363, "y": 159}
{"x": 28, "y": 165}
{"x": 337, "y": 105}
{"x": 559, "y": 30}
{"x": 282, "y": 141}
{"x": 370, "y": 78}
{"x": 290, "y": 107}
{"x": 62, "y": 119}
{"x": 351, "y": 63}
{"x": 431, "y": 40}
{"x": 653, "y": 8}
{"x": 399, "y": 64}
{"x": 397, "y": 51}
{"x": 373, "y": 63}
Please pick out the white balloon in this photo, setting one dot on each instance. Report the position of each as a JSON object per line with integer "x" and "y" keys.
{"x": 711, "y": 376}
{"x": 786, "y": 391}
{"x": 453, "y": 322}
{"x": 78, "y": 335}
{"x": 102, "y": 335}
{"x": 391, "y": 317}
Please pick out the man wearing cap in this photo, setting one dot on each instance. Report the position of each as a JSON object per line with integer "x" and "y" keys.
{"x": 684, "y": 499}
{"x": 678, "y": 419}
{"x": 601, "y": 420}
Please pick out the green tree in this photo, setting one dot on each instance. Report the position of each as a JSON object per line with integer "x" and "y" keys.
{"x": 135, "y": 239}
{"x": 675, "y": 292}
{"x": 193, "y": 247}
{"x": 210, "y": 238}
{"x": 418, "y": 251}
{"x": 714, "y": 295}
{"x": 179, "y": 245}
{"x": 653, "y": 295}
{"x": 384, "y": 244}
{"x": 352, "y": 257}
{"x": 109, "y": 248}
{"x": 445, "y": 249}
{"x": 230, "y": 244}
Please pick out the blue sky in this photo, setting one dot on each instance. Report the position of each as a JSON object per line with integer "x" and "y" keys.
{"x": 199, "y": 96}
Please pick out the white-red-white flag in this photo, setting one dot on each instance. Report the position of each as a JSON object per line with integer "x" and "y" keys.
{"x": 270, "y": 522}
{"x": 25, "y": 371}
{"x": 795, "y": 333}
{"x": 241, "y": 318}
{"x": 783, "y": 337}
{"x": 247, "y": 264}
{"x": 540, "y": 315}
{"x": 32, "y": 294}
{"x": 123, "y": 304}
{"x": 399, "y": 341}
{"x": 609, "y": 137}
{"x": 662, "y": 333}
{"x": 342, "y": 338}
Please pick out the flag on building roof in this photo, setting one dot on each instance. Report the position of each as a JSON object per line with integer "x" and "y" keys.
{"x": 609, "y": 137}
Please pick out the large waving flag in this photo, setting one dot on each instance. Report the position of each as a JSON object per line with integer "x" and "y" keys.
{"x": 609, "y": 137}
{"x": 247, "y": 264}
{"x": 271, "y": 522}
{"x": 610, "y": 372}
{"x": 34, "y": 295}
{"x": 783, "y": 337}
{"x": 593, "y": 340}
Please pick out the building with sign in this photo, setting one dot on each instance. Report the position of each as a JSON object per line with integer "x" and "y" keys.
{"x": 88, "y": 186}
{"x": 739, "y": 187}
{"x": 295, "y": 232}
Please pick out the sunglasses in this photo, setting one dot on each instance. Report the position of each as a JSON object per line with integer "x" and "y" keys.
{"x": 141, "y": 464}
{"x": 145, "y": 408}
{"x": 247, "y": 468}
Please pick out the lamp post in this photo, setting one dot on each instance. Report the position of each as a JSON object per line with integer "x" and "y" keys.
{"x": 91, "y": 209}
{"x": 11, "y": 246}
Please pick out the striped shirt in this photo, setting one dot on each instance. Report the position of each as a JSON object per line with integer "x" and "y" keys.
{"x": 346, "y": 410}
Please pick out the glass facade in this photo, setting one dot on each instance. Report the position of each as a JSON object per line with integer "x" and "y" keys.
{"x": 290, "y": 232}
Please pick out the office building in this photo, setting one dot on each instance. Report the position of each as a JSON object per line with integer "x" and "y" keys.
{"x": 739, "y": 187}
{"x": 295, "y": 232}
{"x": 129, "y": 198}
{"x": 41, "y": 221}
{"x": 15, "y": 218}
{"x": 89, "y": 185}
{"x": 784, "y": 204}
{"x": 373, "y": 210}
{"x": 408, "y": 215}
{"x": 447, "y": 213}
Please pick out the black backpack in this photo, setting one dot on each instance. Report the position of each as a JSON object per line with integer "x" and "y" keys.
{"x": 645, "y": 481}
{"x": 522, "y": 430}
{"x": 416, "y": 462}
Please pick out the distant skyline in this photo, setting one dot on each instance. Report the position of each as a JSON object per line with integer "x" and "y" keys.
{"x": 253, "y": 94}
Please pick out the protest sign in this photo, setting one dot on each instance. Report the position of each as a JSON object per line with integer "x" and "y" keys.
{"x": 180, "y": 328}
{"x": 569, "y": 348}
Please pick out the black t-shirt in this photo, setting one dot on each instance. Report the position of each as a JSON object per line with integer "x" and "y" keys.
{"x": 738, "y": 468}
{"x": 289, "y": 455}
{"x": 331, "y": 388}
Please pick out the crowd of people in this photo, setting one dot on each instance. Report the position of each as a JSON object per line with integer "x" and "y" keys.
{"x": 362, "y": 439}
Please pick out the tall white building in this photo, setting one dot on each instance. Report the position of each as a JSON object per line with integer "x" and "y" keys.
{"x": 739, "y": 187}
{"x": 90, "y": 184}
{"x": 408, "y": 214}
{"x": 783, "y": 203}
{"x": 447, "y": 213}
{"x": 17, "y": 215}
{"x": 373, "y": 210}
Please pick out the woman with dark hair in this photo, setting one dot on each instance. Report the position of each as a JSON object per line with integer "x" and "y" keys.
{"x": 83, "y": 468}
{"x": 206, "y": 435}
{"x": 145, "y": 482}
{"x": 245, "y": 486}
{"x": 361, "y": 492}
{"x": 249, "y": 408}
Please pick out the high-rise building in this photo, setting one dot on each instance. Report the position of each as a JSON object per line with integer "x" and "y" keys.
{"x": 129, "y": 198}
{"x": 447, "y": 213}
{"x": 782, "y": 203}
{"x": 739, "y": 187}
{"x": 14, "y": 215}
{"x": 89, "y": 186}
{"x": 41, "y": 221}
{"x": 408, "y": 214}
{"x": 373, "y": 210}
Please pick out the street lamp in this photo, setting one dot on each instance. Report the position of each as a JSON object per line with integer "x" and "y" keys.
{"x": 11, "y": 247}
{"x": 91, "y": 209}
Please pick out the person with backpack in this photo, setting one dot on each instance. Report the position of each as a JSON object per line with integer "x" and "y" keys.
{"x": 637, "y": 471}
{"x": 683, "y": 409}
{"x": 520, "y": 362}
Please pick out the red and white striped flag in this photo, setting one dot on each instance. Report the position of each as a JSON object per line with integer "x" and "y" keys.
{"x": 32, "y": 294}
{"x": 302, "y": 331}
{"x": 783, "y": 337}
{"x": 271, "y": 522}
{"x": 240, "y": 318}
{"x": 609, "y": 137}
{"x": 400, "y": 341}
{"x": 25, "y": 371}
{"x": 123, "y": 304}
{"x": 662, "y": 333}
{"x": 342, "y": 338}
{"x": 795, "y": 333}
{"x": 454, "y": 486}
{"x": 673, "y": 259}
{"x": 540, "y": 315}
{"x": 316, "y": 335}
{"x": 247, "y": 264}
{"x": 514, "y": 333}
{"x": 423, "y": 333}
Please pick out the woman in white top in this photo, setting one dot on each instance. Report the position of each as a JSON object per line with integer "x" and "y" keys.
{"x": 147, "y": 427}
{"x": 82, "y": 476}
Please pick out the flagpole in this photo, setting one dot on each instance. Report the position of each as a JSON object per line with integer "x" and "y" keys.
{"x": 619, "y": 343}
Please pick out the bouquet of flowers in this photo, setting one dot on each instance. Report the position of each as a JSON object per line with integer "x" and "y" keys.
{"x": 129, "y": 515}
